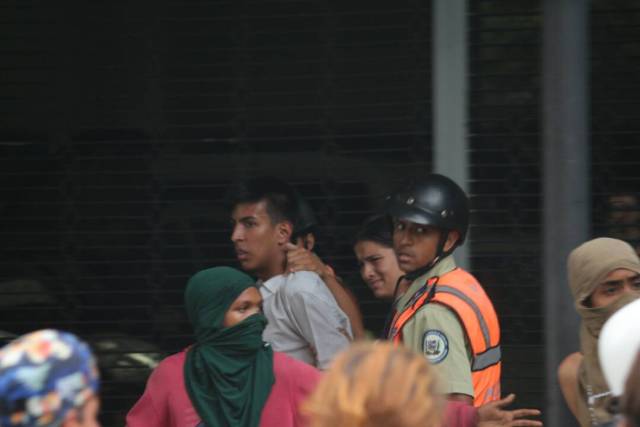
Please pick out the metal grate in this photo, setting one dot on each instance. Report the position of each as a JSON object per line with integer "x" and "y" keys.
{"x": 615, "y": 136}
{"x": 504, "y": 126}
{"x": 123, "y": 125}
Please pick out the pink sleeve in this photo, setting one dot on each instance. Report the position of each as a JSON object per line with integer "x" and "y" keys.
{"x": 460, "y": 414}
{"x": 295, "y": 381}
{"x": 149, "y": 409}
{"x": 306, "y": 380}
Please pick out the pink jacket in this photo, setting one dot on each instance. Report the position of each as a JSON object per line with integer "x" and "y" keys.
{"x": 165, "y": 402}
{"x": 459, "y": 414}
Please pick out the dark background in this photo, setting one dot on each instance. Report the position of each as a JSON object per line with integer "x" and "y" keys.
{"x": 122, "y": 125}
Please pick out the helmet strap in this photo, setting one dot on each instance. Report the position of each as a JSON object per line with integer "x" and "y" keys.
{"x": 440, "y": 254}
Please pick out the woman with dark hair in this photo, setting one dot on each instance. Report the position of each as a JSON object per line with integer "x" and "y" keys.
{"x": 379, "y": 269}
{"x": 378, "y": 264}
{"x": 229, "y": 377}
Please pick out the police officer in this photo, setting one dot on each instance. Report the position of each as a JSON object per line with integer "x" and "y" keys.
{"x": 445, "y": 313}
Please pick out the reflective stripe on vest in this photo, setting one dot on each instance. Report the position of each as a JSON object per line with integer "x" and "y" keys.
{"x": 461, "y": 293}
{"x": 486, "y": 359}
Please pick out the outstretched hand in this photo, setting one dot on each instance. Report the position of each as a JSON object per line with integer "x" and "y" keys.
{"x": 494, "y": 414}
{"x": 302, "y": 259}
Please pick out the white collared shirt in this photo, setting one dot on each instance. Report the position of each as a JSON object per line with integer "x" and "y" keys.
{"x": 305, "y": 321}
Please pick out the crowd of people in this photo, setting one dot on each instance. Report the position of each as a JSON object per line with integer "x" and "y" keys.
{"x": 282, "y": 342}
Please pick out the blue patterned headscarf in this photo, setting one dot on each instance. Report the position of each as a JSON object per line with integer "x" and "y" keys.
{"x": 43, "y": 375}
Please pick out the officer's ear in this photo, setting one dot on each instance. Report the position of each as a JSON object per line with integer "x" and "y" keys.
{"x": 452, "y": 237}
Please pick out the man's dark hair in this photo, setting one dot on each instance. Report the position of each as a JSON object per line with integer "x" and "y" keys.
{"x": 280, "y": 198}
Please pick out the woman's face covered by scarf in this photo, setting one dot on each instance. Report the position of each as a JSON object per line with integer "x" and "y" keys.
{"x": 603, "y": 277}
{"x": 248, "y": 303}
{"x": 617, "y": 284}
{"x": 229, "y": 370}
{"x": 602, "y": 280}
{"x": 601, "y": 271}
{"x": 220, "y": 297}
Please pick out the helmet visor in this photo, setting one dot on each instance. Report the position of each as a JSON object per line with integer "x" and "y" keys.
{"x": 405, "y": 211}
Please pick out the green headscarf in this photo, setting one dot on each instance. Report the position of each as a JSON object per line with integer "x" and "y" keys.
{"x": 228, "y": 371}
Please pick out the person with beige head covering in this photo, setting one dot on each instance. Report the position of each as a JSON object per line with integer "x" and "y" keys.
{"x": 604, "y": 275}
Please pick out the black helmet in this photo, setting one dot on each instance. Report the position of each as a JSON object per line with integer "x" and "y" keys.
{"x": 431, "y": 200}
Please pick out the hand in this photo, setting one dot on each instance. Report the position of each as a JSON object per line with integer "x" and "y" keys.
{"x": 302, "y": 259}
{"x": 493, "y": 414}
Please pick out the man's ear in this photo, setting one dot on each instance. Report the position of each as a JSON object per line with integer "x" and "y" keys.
{"x": 284, "y": 231}
{"x": 452, "y": 238}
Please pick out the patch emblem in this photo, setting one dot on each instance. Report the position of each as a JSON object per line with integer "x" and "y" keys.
{"x": 435, "y": 346}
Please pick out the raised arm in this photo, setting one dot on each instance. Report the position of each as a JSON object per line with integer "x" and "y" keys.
{"x": 568, "y": 379}
{"x": 301, "y": 259}
{"x": 317, "y": 317}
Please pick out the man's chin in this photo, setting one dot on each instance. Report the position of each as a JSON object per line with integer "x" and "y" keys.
{"x": 406, "y": 267}
{"x": 246, "y": 265}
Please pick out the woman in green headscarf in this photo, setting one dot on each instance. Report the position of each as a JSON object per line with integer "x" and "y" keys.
{"x": 229, "y": 377}
{"x": 604, "y": 276}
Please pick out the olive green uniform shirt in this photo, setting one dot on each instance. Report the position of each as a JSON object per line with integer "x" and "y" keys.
{"x": 435, "y": 331}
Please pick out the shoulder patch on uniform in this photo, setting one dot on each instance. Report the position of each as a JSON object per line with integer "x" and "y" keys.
{"x": 435, "y": 346}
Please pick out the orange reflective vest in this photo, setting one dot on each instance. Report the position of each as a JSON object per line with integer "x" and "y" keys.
{"x": 461, "y": 293}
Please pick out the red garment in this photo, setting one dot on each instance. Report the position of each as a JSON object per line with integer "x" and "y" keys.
{"x": 460, "y": 414}
{"x": 165, "y": 402}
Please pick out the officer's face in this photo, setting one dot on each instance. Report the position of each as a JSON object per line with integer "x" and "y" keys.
{"x": 378, "y": 267}
{"x": 415, "y": 245}
{"x": 257, "y": 241}
{"x": 618, "y": 283}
